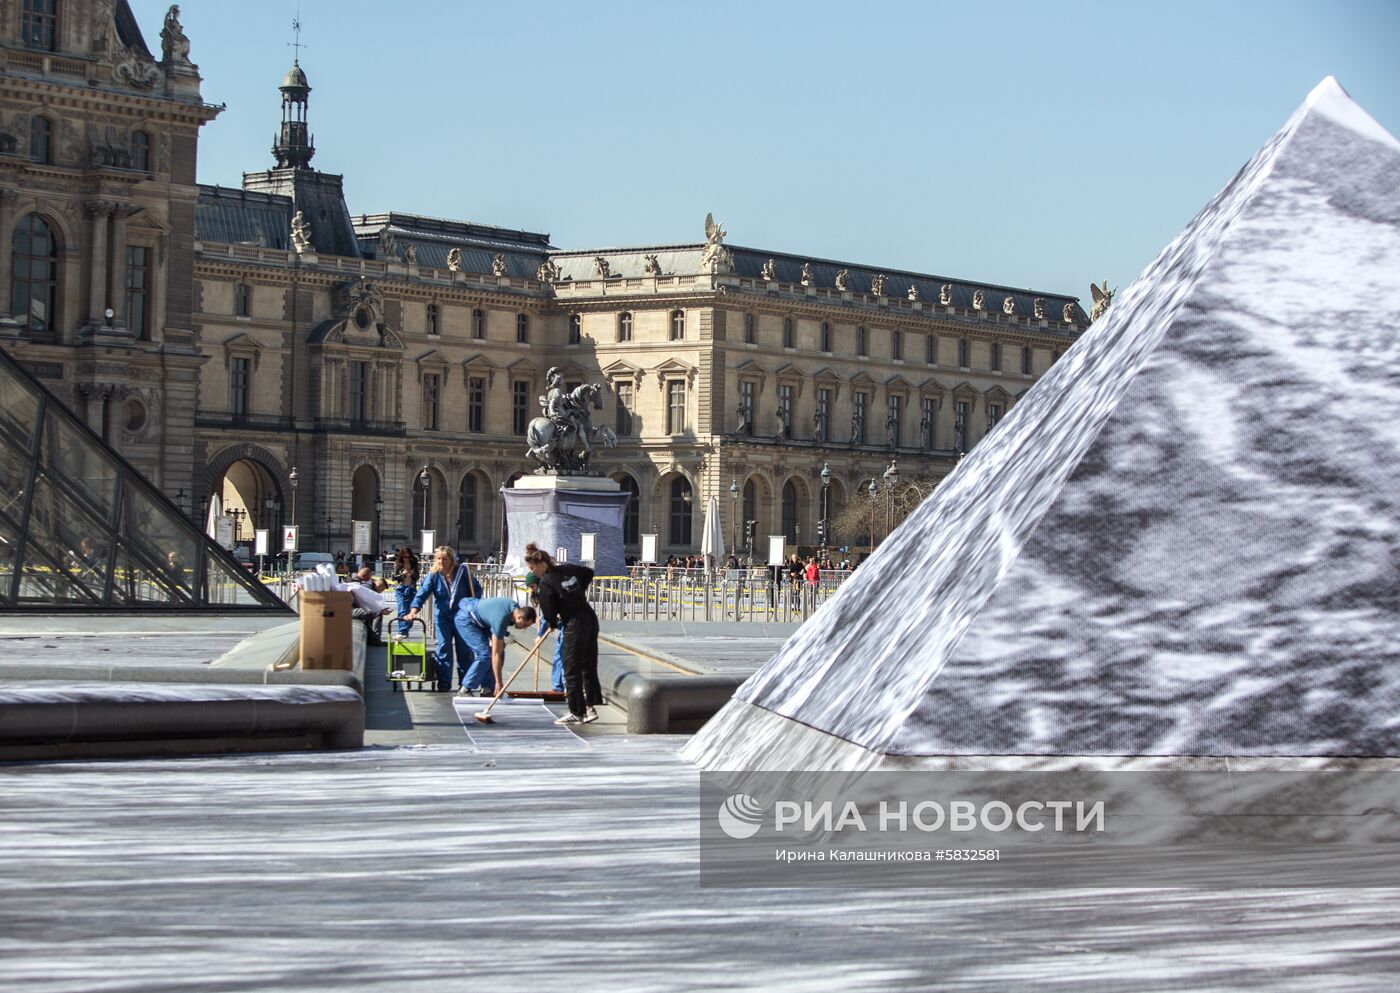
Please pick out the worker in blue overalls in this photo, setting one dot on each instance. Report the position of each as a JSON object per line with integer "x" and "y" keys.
{"x": 448, "y": 583}
{"x": 557, "y": 673}
{"x": 484, "y": 625}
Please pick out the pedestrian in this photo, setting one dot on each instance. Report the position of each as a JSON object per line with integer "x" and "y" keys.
{"x": 556, "y": 672}
{"x": 564, "y": 605}
{"x": 406, "y": 576}
{"x": 813, "y": 573}
{"x": 448, "y": 583}
{"x": 483, "y": 624}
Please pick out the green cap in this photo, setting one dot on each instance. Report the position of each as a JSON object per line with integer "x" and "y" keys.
{"x": 531, "y": 579}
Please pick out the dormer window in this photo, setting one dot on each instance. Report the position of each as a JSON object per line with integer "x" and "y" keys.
{"x": 38, "y": 24}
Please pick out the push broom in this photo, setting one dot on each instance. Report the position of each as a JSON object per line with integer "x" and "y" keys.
{"x": 485, "y": 716}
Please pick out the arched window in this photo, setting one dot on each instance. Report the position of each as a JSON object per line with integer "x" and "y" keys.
{"x": 962, "y": 353}
{"x": 749, "y": 338}
{"x": 996, "y": 356}
{"x": 826, "y": 336}
{"x": 788, "y": 340}
{"x": 632, "y": 517}
{"x": 677, "y": 325}
{"x": 41, "y": 139}
{"x": 790, "y": 511}
{"x": 522, "y": 328}
{"x": 681, "y": 502}
{"x": 34, "y": 275}
{"x": 624, "y": 326}
{"x": 1026, "y": 360}
{"x": 141, "y": 151}
{"x": 575, "y": 329}
{"x": 242, "y": 296}
{"x": 466, "y": 511}
{"x": 896, "y": 344}
{"x": 38, "y": 25}
{"x": 478, "y": 323}
{"x": 862, "y": 342}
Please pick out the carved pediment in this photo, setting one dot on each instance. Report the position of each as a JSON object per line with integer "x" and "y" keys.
{"x": 523, "y": 369}
{"x": 862, "y": 378}
{"x": 997, "y": 394}
{"x": 898, "y": 384}
{"x": 964, "y": 391}
{"x": 790, "y": 373}
{"x": 478, "y": 365}
{"x": 752, "y": 369}
{"x": 674, "y": 369}
{"x": 431, "y": 361}
{"x": 622, "y": 369}
{"x": 243, "y": 345}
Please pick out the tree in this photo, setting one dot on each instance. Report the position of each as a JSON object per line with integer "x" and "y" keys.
{"x": 863, "y": 517}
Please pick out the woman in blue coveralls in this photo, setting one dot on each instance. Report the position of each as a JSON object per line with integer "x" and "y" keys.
{"x": 557, "y": 673}
{"x": 448, "y": 583}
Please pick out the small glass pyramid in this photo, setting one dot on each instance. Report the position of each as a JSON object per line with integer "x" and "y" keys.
{"x": 80, "y": 528}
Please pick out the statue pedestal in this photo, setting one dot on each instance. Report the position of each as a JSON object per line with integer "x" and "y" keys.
{"x": 553, "y": 511}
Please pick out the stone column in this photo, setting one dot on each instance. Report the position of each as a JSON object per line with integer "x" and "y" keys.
{"x": 8, "y": 200}
{"x": 116, "y": 263}
{"x": 97, "y": 284}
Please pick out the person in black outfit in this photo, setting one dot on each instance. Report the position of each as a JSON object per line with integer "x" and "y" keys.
{"x": 563, "y": 602}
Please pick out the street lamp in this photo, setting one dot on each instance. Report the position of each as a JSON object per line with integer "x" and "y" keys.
{"x": 826, "y": 486}
{"x": 734, "y": 516}
{"x": 293, "y": 479}
{"x": 378, "y": 513}
{"x": 891, "y": 477}
{"x": 423, "y": 478}
{"x": 874, "y": 492}
{"x": 501, "y": 560}
{"x": 180, "y": 500}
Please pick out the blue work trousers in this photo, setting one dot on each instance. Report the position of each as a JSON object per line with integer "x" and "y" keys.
{"x": 476, "y": 674}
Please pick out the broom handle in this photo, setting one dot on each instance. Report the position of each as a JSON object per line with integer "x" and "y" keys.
{"x": 504, "y": 686}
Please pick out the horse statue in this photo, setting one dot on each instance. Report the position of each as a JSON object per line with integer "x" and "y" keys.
{"x": 564, "y": 443}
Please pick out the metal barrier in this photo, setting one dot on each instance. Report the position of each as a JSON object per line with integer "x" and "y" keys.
{"x": 736, "y": 595}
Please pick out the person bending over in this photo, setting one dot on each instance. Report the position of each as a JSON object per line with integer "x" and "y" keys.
{"x": 483, "y": 624}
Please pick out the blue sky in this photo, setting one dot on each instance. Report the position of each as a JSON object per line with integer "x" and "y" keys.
{"x": 1030, "y": 144}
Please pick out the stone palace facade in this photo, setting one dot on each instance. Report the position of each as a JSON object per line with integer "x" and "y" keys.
{"x": 222, "y": 338}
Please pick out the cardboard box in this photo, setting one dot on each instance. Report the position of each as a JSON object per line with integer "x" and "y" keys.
{"x": 326, "y": 630}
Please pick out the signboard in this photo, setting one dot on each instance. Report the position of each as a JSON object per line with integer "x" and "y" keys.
{"x": 223, "y": 531}
{"x": 427, "y": 542}
{"x": 561, "y": 554}
{"x": 587, "y": 546}
{"x": 360, "y": 538}
{"x": 649, "y": 548}
{"x": 777, "y": 549}
{"x": 289, "y": 537}
{"x": 261, "y": 539}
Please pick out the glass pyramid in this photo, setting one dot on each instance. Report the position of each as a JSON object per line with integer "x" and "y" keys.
{"x": 82, "y": 529}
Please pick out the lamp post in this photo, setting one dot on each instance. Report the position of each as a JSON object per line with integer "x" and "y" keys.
{"x": 238, "y": 516}
{"x": 423, "y": 477}
{"x": 330, "y": 528}
{"x": 826, "y": 523}
{"x": 874, "y": 492}
{"x": 891, "y": 477}
{"x": 378, "y": 513}
{"x": 501, "y": 559}
{"x": 293, "y": 479}
{"x": 734, "y": 516}
{"x": 180, "y": 500}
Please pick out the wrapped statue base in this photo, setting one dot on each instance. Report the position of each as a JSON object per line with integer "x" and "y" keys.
{"x": 555, "y": 511}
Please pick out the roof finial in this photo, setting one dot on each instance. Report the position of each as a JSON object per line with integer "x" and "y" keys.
{"x": 297, "y": 45}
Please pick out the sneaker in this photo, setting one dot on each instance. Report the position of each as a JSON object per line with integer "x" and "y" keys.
{"x": 463, "y": 691}
{"x": 590, "y": 715}
{"x": 571, "y": 719}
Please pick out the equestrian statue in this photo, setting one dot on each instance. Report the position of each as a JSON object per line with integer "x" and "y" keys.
{"x": 562, "y": 441}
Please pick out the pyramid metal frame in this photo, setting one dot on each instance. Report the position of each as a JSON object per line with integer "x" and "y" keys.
{"x": 81, "y": 529}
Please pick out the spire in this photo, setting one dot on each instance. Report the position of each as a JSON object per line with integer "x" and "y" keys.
{"x": 294, "y": 146}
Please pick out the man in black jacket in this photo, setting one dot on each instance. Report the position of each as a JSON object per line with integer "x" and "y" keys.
{"x": 564, "y": 604}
